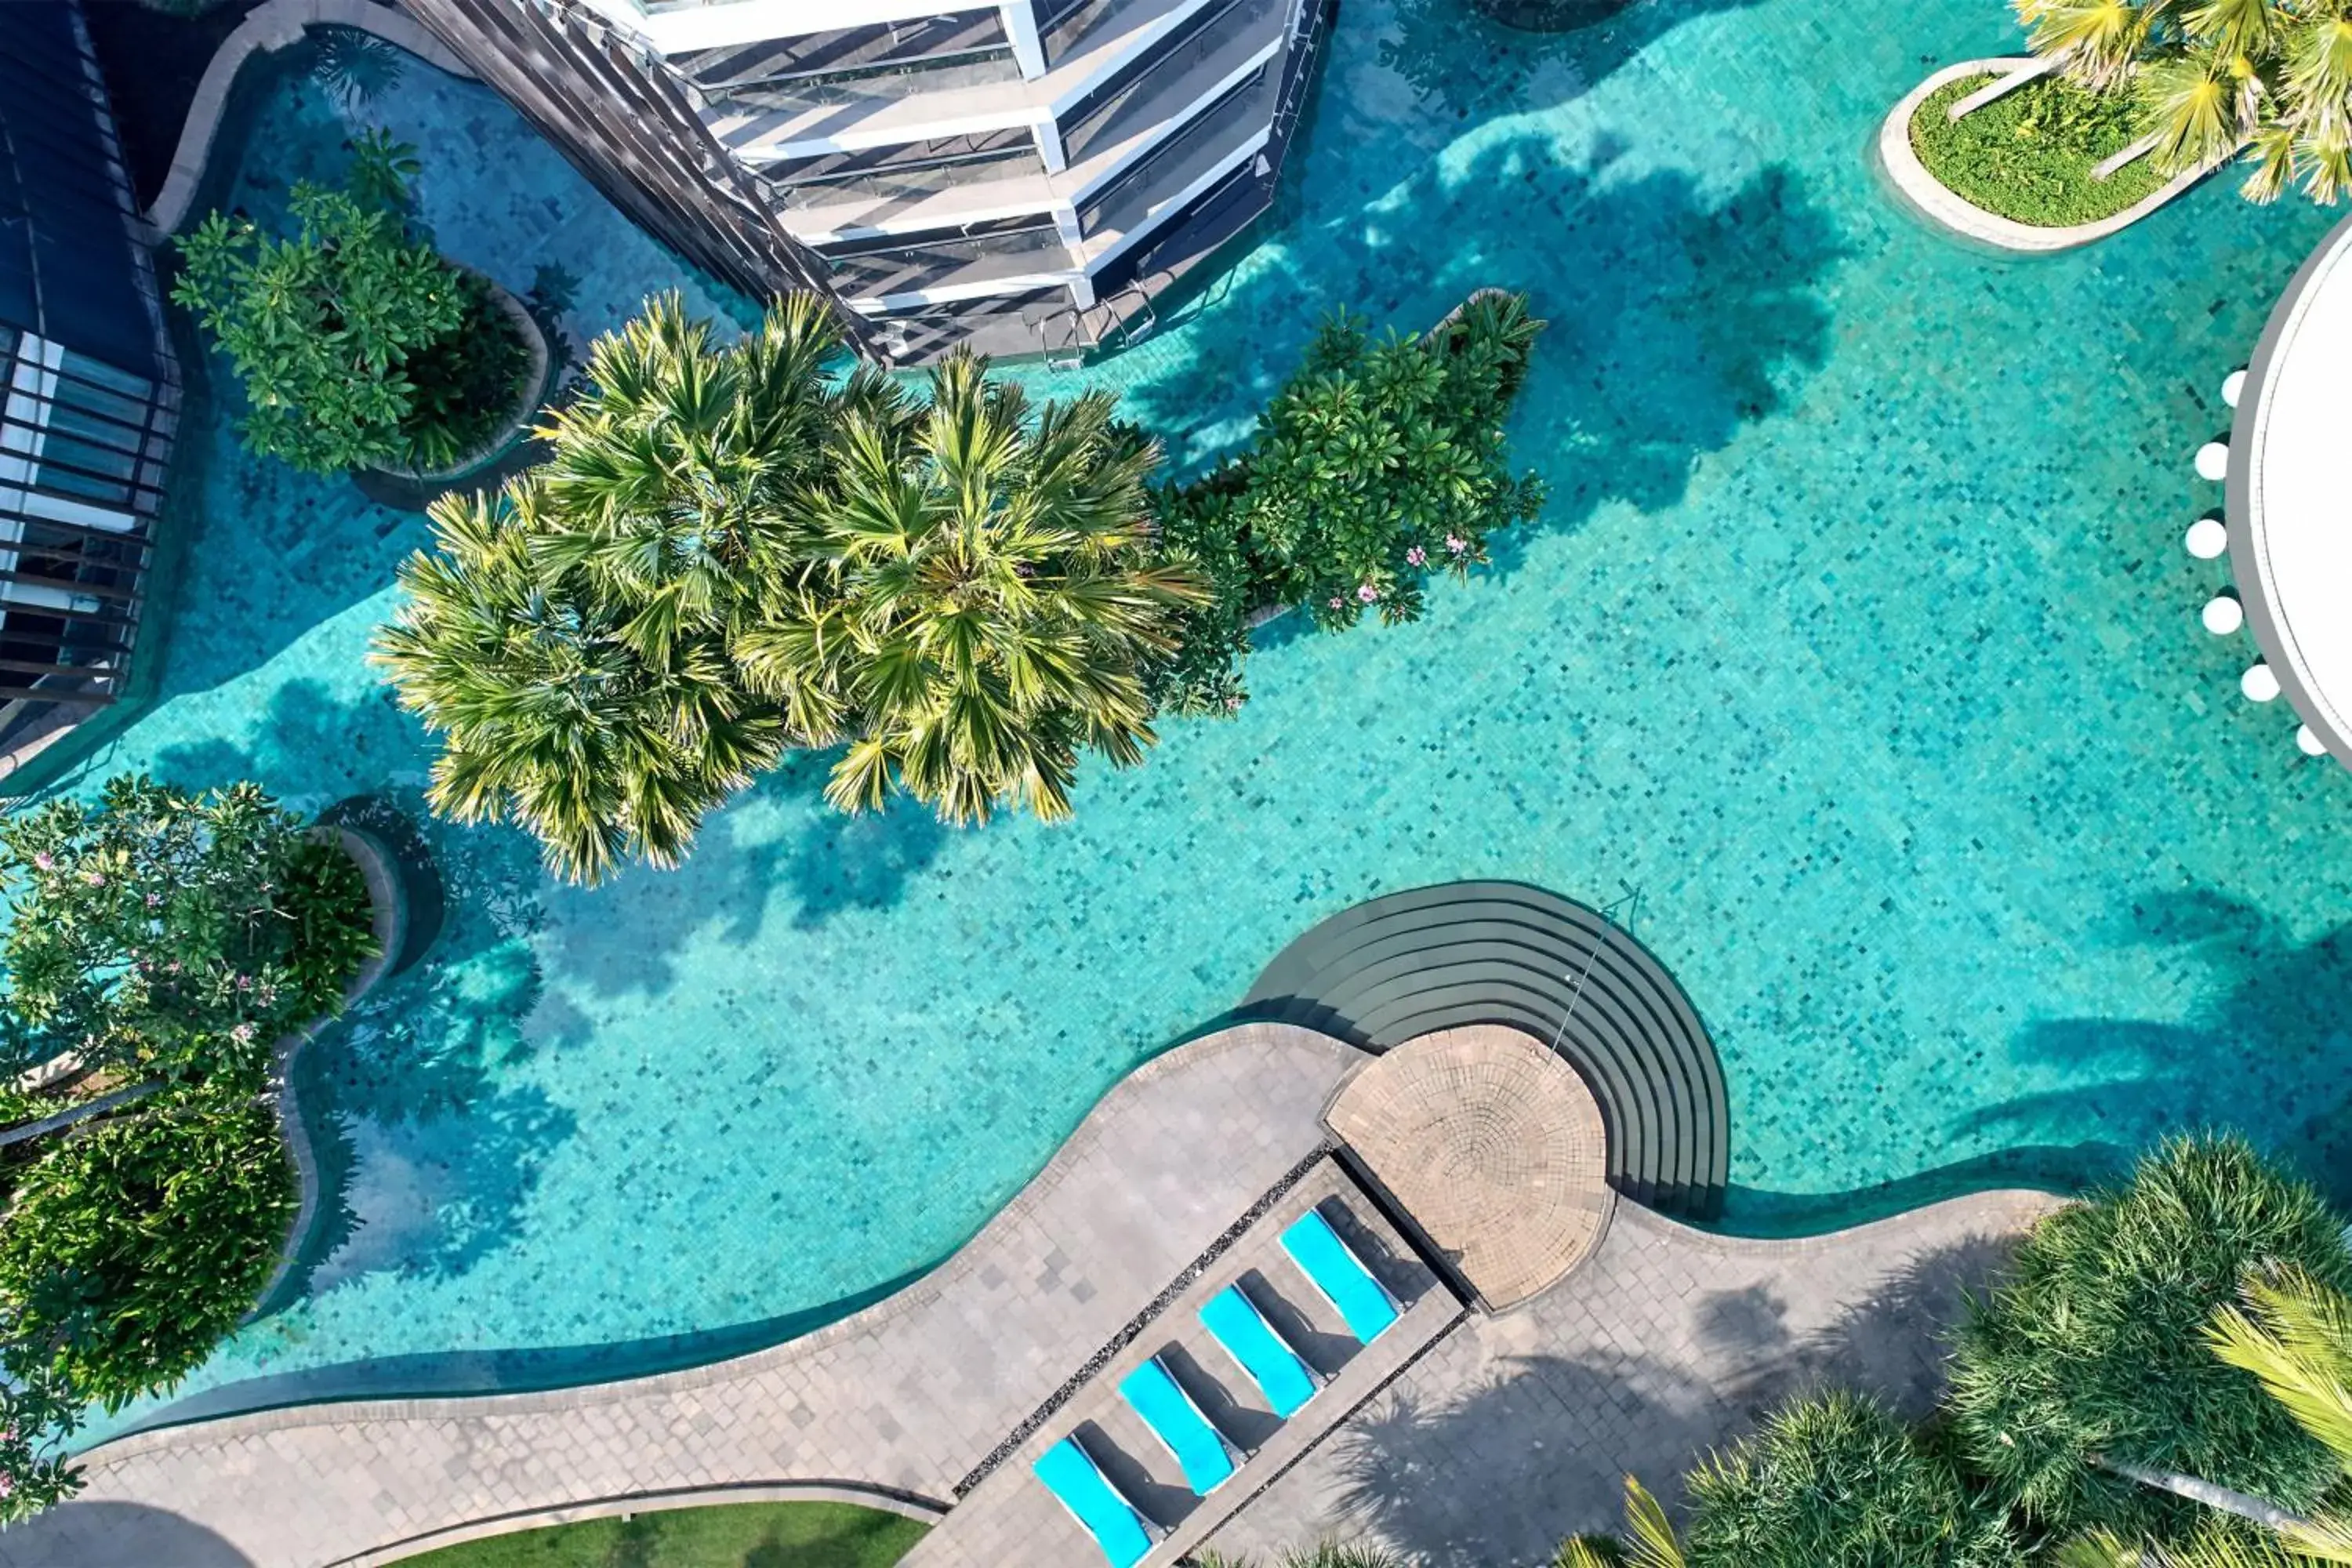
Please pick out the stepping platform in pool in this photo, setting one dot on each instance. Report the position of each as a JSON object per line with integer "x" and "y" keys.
{"x": 1491, "y": 1146}
{"x": 1141, "y": 1417}
{"x": 1415, "y": 963}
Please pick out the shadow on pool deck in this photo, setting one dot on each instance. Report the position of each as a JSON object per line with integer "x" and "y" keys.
{"x": 146, "y": 1536}
{"x": 1506, "y": 1471}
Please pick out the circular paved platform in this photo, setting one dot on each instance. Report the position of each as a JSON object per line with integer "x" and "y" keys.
{"x": 1494, "y": 1148}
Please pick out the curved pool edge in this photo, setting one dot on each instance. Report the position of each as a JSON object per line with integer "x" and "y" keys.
{"x": 388, "y": 924}
{"x": 922, "y": 1510}
{"x": 1946, "y": 207}
{"x": 266, "y": 28}
{"x": 808, "y": 1333}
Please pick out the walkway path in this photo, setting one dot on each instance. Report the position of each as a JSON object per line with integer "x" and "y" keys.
{"x": 1515, "y": 1430}
{"x": 908, "y": 1395}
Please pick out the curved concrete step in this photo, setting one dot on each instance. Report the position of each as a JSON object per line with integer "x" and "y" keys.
{"x": 1507, "y": 953}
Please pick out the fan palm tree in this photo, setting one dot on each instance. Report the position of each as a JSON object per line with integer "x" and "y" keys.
{"x": 981, "y": 602}
{"x": 2273, "y": 77}
{"x": 570, "y": 638}
{"x": 1650, "y": 1539}
{"x": 2295, "y": 1335}
{"x": 553, "y": 712}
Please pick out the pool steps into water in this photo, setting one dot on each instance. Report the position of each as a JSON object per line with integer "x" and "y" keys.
{"x": 1507, "y": 953}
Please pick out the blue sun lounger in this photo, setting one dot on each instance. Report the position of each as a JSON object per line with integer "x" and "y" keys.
{"x": 1280, "y": 1373}
{"x": 1071, "y": 1474}
{"x": 1182, "y": 1427}
{"x": 1332, "y": 1267}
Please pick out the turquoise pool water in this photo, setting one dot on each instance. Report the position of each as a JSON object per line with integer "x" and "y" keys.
{"x": 1857, "y": 635}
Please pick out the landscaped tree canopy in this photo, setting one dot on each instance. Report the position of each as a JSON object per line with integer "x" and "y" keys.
{"x": 158, "y": 943}
{"x": 2274, "y": 76}
{"x": 1377, "y": 465}
{"x": 2086, "y": 1379}
{"x": 174, "y": 935}
{"x": 732, "y": 551}
{"x": 357, "y": 343}
{"x": 127, "y": 1251}
{"x": 1838, "y": 1480}
{"x": 728, "y": 553}
{"x": 983, "y": 602}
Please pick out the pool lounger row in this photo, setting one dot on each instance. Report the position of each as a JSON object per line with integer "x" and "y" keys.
{"x": 1281, "y": 1374}
{"x": 1341, "y": 1276}
{"x": 1094, "y": 1500}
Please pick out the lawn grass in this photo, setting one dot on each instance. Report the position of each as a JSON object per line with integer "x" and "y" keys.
{"x": 2029, "y": 156}
{"x": 732, "y": 1535}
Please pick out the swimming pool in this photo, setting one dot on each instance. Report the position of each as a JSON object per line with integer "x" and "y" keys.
{"x": 1857, "y": 636}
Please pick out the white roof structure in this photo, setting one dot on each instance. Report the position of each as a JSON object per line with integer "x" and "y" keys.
{"x": 2290, "y": 493}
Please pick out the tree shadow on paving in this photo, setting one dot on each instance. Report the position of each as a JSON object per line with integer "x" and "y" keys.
{"x": 1506, "y": 1470}
{"x": 1455, "y": 60}
{"x": 2268, "y": 1053}
{"x": 1503, "y": 1471}
{"x": 114, "y": 1535}
{"x": 1688, "y": 316}
{"x": 1892, "y": 1342}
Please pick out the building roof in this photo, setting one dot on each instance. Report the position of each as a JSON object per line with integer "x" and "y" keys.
{"x": 67, "y": 269}
{"x": 2290, "y": 493}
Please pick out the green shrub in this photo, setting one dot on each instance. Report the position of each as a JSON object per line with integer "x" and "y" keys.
{"x": 1838, "y": 1480}
{"x": 1377, "y": 465}
{"x": 132, "y": 1247}
{"x": 358, "y": 344}
{"x": 323, "y": 898}
{"x": 150, "y": 933}
{"x": 2095, "y": 1346}
{"x": 2029, "y": 156}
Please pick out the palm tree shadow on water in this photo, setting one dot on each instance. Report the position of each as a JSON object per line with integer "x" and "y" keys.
{"x": 1678, "y": 315}
{"x": 2268, "y": 1054}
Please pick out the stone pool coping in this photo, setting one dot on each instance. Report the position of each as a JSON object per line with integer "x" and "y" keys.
{"x": 388, "y": 920}
{"x": 1939, "y": 202}
{"x": 269, "y": 26}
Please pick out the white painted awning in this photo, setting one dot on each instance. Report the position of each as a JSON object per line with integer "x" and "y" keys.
{"x": 2290, "y": 493}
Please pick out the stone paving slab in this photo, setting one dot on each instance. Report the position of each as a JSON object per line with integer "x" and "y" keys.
{"x": 904, "y": 1397}
{"x": 1515, "y": 1430}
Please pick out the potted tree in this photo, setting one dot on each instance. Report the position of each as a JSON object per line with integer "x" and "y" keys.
{"x": 358, "y": 345}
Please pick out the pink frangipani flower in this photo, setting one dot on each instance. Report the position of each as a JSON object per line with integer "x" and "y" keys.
{"x": 1417, "y": 556}
{"x": 1455, "y": 544}
{"x": 1367, "y": 593}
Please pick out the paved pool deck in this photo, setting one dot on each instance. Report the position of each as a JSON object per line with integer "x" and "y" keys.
{"x": 905, "y": 1398}
{"x": 1517, "y": 1429}
{"x": 1498, "y": 1435}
